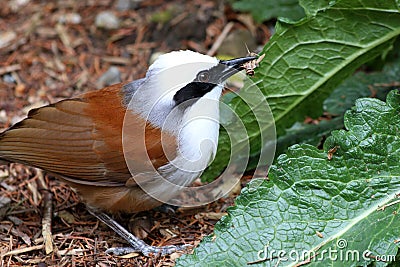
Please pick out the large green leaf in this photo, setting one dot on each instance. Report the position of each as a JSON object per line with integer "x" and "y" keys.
{"x": 306, "y": 60}
{"x": 263, "y": 10}
{"x": 349, "y": 203}
{"x": 362, "y": 84}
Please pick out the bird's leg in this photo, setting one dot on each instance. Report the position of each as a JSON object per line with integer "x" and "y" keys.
{"x": 137, "y": 245}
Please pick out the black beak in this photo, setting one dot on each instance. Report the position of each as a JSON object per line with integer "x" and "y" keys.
{"x": 233, "y": 66}
{"x": 206, "y": 80}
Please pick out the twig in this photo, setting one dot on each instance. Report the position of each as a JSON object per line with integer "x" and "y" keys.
{"x": 388, "y": 205}
{"x": 117, "y": 60}
{"x": 46, "y": 223}
{"x": 70, "y": 252}
{"x": 18, "y": 233}
{"x": 9, "y": 69}
{"x": 47, "y": 214}
{"x": 22, "y": 250}
{"x": 65, "y": 39}
{"x": 220, "y": 39}
{"x": 32, "y": 186}
{"x": 178, "y": 19}
{"x": 261, "y": 260}
{"x": 307, "y": 261}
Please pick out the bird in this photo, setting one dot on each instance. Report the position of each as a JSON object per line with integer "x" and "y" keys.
{"x": 104, "y": 143}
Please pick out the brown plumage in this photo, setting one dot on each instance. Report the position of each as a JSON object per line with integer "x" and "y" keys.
{"x": 80, "y": 141}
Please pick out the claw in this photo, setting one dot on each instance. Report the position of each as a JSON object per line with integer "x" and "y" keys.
{"x": 148, "y": 250}
{"x": 137, "y": 245}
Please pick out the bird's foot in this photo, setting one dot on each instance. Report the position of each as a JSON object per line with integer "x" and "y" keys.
{"x": 137, "y": 245}
{"x": 147, "y": 250}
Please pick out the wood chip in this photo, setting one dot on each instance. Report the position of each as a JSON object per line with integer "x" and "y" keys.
{"x": 22, "y": 250}
{"x": 6, "y": 38}
{"x": 117, "y": 60}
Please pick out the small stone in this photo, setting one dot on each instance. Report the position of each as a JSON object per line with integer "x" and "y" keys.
{"x": 8, "y": 78}
{"x": 124, "y": 5}
{"x": 111, "y": 76}
{"x": 16, "y": 5}
{"x": 6, "y": 38}
{"x": 107, "y": 20}
{"x": 70, "y": 18}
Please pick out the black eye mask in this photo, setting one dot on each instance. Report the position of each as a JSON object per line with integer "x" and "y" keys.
{"x": 193, "y": 90}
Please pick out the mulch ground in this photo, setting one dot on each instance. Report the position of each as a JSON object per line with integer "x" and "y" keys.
{"x": 77, "y": 238}
{"x": 45, "y": 58}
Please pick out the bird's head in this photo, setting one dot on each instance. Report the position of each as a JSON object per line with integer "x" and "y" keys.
{"x": 185, "y": 75}
{"x": 181, "y": 78}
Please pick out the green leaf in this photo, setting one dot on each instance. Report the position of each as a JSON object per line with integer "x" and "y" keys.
{"x": 306, "y": 60}
{"x": 349, "y": 204}
{"x": 362, "y": 84}
{"x": 263, "y": 10}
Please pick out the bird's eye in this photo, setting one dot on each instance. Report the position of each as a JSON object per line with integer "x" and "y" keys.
{"x": 203, "y": 76}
